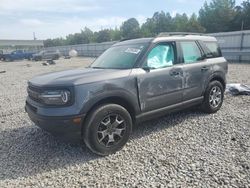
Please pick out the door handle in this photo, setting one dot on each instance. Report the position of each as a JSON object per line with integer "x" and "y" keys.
{"x": 175, "y": 73}
{"x": 204, "y": 68}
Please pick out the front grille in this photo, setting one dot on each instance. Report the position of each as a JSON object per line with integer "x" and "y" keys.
{"x": 34, "y": 93}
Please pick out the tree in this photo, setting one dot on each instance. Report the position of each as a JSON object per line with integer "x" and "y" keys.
{"x": 115, "y": 34}
{"x": 160, "y": 22}
{"x": 217, "y": 16}
{"x": 148, "y": 28}
{"x": 181, "y": 22}
{"x": 88, "y": 34}
{"x": 246, "y": 15}
{"x": 130, "y": 29}
{"x": 54, "y": 42}
{"x": 194, "y": 26}
{"x": 103, "y": 36}
{"x": 237, "y": 21}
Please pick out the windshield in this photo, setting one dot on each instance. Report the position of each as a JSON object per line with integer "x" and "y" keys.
{"x": 119, "y": 57}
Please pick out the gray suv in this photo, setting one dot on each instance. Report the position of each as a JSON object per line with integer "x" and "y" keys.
{"x": 133, "y": 81}
{"x": 46, "y": 55}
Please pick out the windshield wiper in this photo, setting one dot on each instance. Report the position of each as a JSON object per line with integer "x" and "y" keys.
{"x": 97, "y": 67}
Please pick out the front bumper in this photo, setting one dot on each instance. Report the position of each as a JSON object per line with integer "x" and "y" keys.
{"x": 64, "y": 127}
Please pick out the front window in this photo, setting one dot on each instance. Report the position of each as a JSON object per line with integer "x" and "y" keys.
{"x": 119, "y": 57}
{"x": 161, "y": 56}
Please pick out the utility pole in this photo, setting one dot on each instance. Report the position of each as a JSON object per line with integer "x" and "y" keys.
{"x": 242, "y": 25}
{"x": 34, "y": 35}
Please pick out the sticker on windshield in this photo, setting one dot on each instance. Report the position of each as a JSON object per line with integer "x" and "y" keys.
{"x": 133, "y": 50}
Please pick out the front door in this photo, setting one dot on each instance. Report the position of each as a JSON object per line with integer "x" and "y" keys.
{"x": 161, "y": 83}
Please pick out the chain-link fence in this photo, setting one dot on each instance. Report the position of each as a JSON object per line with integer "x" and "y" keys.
{"x": 87, "y": 50}
{"x": 235, "y": 46}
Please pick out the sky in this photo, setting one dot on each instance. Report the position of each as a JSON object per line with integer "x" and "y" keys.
{"x": 58, "y": 18}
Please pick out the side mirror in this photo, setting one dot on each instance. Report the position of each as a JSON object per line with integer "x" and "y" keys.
{"x": 146, "y": 68}
{"x": 202, "y": 58}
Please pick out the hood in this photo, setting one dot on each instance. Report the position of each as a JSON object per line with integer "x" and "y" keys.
{"x": 77, "y": 77}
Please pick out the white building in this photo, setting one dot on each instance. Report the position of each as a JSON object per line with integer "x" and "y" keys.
{"x": 27, "y": 45}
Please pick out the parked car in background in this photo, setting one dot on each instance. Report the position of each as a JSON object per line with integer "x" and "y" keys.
{"x": 46, "y": 55}
{"x": 17, "y": 55}
{"x": 132, "y": 81}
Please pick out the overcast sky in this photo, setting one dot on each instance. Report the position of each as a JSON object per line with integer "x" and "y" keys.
{"x": 58, "y": 18}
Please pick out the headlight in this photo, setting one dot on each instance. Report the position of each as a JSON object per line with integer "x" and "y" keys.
{"x": 58, "y": 97}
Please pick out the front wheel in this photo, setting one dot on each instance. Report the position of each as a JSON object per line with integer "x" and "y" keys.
{"x": 107, "y": 129}
{"x": 213, "y": 97}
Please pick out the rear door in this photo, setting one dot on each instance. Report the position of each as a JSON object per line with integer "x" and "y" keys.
{"x": 161, "y": 85}
{"x": 196, "y": 69}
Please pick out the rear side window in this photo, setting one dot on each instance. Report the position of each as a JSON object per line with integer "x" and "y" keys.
{"x": 191, "y": 52}
{"x": 213, "y": 50}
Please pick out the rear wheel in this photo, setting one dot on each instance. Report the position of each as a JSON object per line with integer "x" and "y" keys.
{"x": 55, "y": 57}
{"x": 213, "y": 98}
{"x": 107, "y": 129}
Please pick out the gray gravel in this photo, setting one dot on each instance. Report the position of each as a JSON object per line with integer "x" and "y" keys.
{"x": 187, "y": 149}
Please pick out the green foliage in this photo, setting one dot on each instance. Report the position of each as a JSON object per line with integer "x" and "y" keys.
{"x": 194, "y": 25}
{"x": 54, "y": 42}
{"x": 160, "y": 22}
{"x": 217, "y": 16}
{"x": 246, "y": 14}
{"x": 103, "y": 36}
{"x": 115, "y": 34}
{"x": 130, "y": 29}
{"x": 242, "y": 18}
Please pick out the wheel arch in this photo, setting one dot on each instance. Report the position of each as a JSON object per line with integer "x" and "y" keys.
{"x": 119, "y": 100}
{"x": 218, "y": 76}
{"x": 220, "y": 79}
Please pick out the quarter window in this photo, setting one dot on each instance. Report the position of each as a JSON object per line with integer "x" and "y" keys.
{"x": 213, "y": 50}
{"x": 161, "y": 56}
{"x": 191, "y": 52}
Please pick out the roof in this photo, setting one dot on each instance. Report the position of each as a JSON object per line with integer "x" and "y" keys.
{"x": 134, "y": 41}
{"x": 185, "y": 37}
{"x": 169, "y": 37}
{"x": 21, "y": 42}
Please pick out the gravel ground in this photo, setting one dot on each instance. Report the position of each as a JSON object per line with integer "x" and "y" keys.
{"x": 184, "y": 149}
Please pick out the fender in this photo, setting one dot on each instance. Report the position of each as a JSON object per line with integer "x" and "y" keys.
{"x": 218, "y": 75}
{"x": 129, "y": 98}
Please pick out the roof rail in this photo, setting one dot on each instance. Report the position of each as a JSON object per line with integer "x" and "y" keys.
{"x": 167, "y": 34}
{"x": 125, "y": 39}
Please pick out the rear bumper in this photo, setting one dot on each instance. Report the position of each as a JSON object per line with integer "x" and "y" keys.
{"x": 62, "y": 127}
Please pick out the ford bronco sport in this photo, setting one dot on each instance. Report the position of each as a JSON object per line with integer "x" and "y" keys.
{"x": 132, "y": 81}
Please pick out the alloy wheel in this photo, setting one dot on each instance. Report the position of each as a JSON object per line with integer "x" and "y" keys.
{"x": 215, "y": 97}
{"x": 111, "y": 130}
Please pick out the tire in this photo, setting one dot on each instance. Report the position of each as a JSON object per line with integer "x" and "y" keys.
{"x": 107, "y": 129}
{"x": 213, "y": 97}
{"x": 8, "y": 59}
{"x": 56, "y": 57}
{"x": 37, "y": 58}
